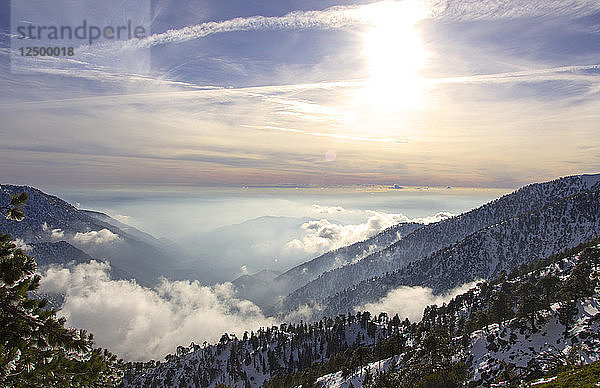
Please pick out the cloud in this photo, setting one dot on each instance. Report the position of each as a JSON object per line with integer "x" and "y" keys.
{"x": 21, "y": 244}
{"x": 455, "y": 79}
{"x": 96, "y": 237}
{"x": 140, "y": 323}
{"x": 435, "y": 218}
{"x": 562, "y": 73}
{"x": 339, "y": 17}
{"x": 328, "y": 209}
{"x": 304, "y": 313}
{"x": 323, "y": 235}
{"x": 331, "y": 135}
{"x": 410, "y": 302}
{"x": 123, "y": 218}
{"x": 330, "y": 18}
{"x": 55, "y": 234}
{"x": 460, "y": 10}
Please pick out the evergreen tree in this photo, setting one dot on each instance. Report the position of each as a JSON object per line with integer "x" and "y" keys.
{"x": 566, "y": 313}
{"x": 501, "y": 307}
{"x": 36, "y": 350}
{"x": 579, "y": 284}
{"x": 530, "y": 303}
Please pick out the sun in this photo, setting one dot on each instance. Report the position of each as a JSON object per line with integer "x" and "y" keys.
{"x": 395, "y": 54}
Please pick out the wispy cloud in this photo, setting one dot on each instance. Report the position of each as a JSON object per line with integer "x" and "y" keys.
{"x": 330, "y": 18}
{"x": 338, "y": 17}
{"x": 273, "y": 93}
{"x": 332, "y": 135}
{"x": 565, "y": 73}
{"x": 461, "y": 10}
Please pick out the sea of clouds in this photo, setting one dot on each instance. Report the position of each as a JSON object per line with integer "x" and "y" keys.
{"x": 140, "y": 323}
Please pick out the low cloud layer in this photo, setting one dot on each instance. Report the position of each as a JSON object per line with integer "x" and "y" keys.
{"x": 140, "y": 323}
{"x": 327, "y": 209}
{"x": 324, "y": 235}
{"x": 55, "y": 234}
{"x": 96, "y": 237}
{"x": 410, "y": 302}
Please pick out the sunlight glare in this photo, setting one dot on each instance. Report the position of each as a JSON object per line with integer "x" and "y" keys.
{"x": 395, "y": 53}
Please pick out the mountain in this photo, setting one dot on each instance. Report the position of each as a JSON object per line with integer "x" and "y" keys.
{"x": 518, "y": 327}
{"x": 60, "y": 252}
{"x": 304, "y": 273}
{"x": 342, "y": 288}
{"x": 559, "y": 332}
{"x": 60, "y": 233}
{"x": 256, "y": 287}
{"x": 254, "y": 243}
{"x": 485, "y": 254}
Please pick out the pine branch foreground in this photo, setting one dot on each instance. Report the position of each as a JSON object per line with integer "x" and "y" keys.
{"x": 36, "y": 349}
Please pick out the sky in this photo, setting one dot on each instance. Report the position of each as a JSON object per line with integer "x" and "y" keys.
{"x": 219, "y": 93}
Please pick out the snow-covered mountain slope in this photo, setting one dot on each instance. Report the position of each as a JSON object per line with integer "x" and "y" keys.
{"x": 494, "y": 331}
{"x": 496, "y": 348}
{"x": 300, "y": 275}
{"x": 432, "y": 238}
{"x": 59, "y": 252}
{"x": 483, "y": 255}
{"x": 510, "y": 350}
{"x": 359, "y": 377}
{"x": 51, "y": 220}
{"x": 257, "y": 357}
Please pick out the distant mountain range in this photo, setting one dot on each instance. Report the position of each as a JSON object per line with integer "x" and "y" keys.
{"x": 59, "y": 233}
{"x": 254, "y": 244}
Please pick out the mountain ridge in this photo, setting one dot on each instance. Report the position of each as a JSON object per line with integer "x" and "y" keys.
{"x": 431, "y": 238}
{"x": 436, "y": 270}
{"x": 50, "y": 219}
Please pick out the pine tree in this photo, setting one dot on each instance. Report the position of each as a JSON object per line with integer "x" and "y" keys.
{"x": 36, "y": 350}
{"x": 530, "y": 303}
{"x": 501, "y": 307}
{"x": 566, "y": 313}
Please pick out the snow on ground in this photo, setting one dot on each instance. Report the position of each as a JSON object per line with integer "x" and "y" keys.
{"x": 543, "y": 381}
{"x": 494, "y": 344}
{"x": 336, "y": 380}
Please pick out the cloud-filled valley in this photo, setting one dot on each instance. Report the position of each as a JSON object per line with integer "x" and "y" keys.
{"x": 409, "y": 302}
{"x": 141, "y": 323}
{"x": 323, "y": 235}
